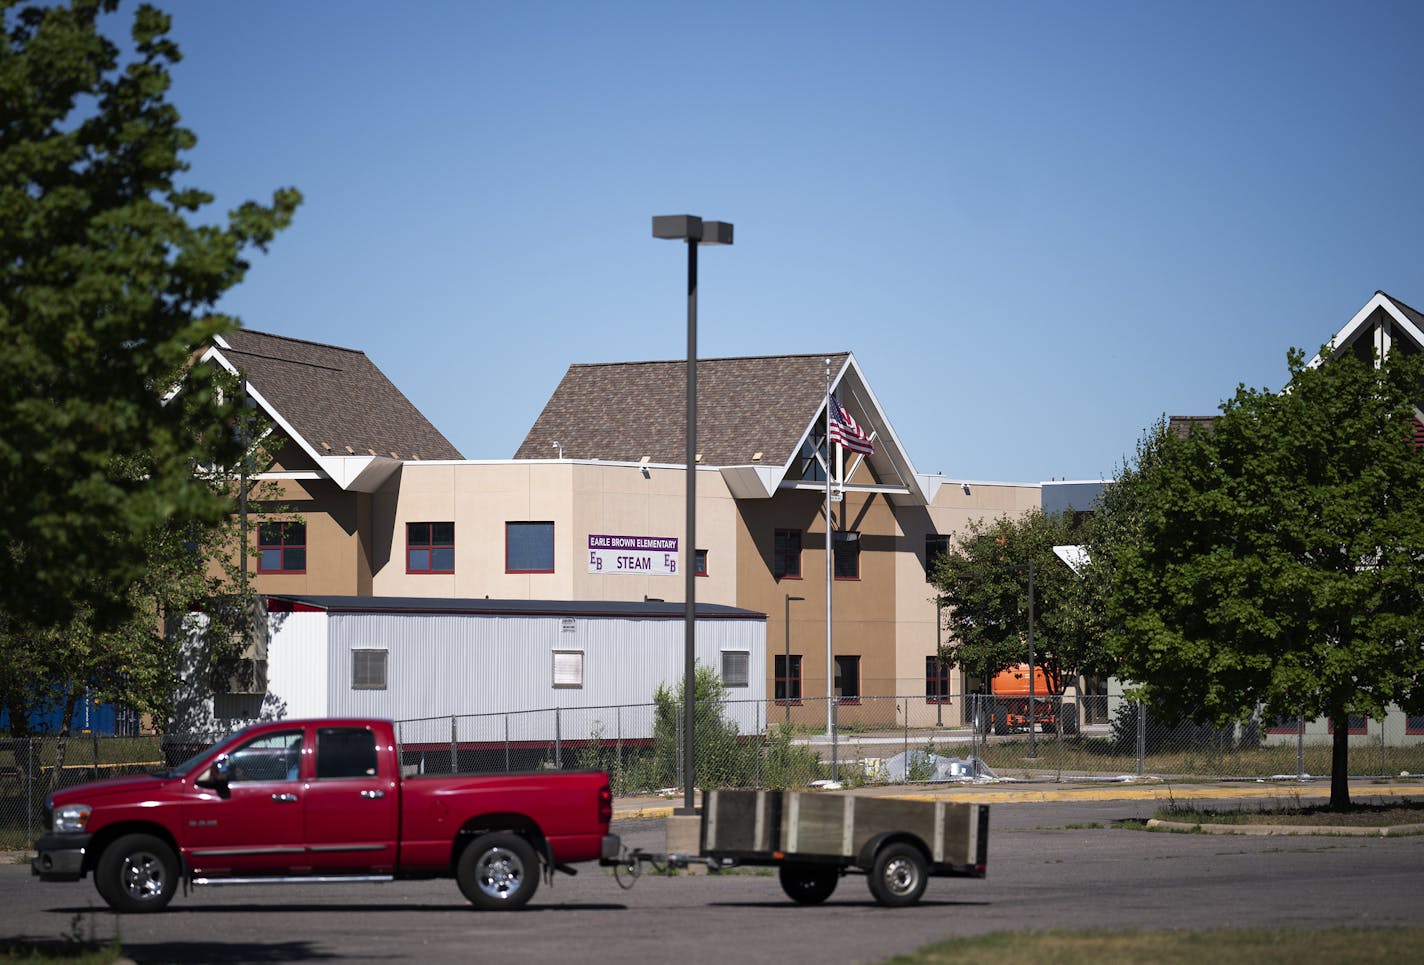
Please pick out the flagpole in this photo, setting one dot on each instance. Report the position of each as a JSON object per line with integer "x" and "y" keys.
{"x": 830, "y": 551}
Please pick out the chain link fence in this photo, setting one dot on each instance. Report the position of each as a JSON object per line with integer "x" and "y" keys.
{"x": 870, "y": 740}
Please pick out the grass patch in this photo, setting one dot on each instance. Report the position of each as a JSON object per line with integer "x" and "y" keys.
{"x": 1221, "y": 947}
{"x": 1356, "y": 816}
{"x": 81, "y": 946}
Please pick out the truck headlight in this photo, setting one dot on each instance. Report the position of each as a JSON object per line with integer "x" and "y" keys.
{"x": 71, "y": 818}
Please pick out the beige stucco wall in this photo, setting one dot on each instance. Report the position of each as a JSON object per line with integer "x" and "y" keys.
{"x": 914, "y": 607}
{"x": 579, "y": 498}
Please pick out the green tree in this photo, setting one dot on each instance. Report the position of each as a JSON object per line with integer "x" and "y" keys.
{"x": 106, "y": 287}
{"x": 1276, "y": 558}
{"x": 983, "y": 583}
{"x": 721, "y": 758}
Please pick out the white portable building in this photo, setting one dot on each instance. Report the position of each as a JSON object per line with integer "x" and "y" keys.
{"x": 496, "y": 670}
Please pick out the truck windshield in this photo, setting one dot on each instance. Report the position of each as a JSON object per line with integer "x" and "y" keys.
{"x": 187, "y": 767}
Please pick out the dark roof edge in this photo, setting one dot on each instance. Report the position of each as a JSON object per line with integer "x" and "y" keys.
{"x": 487, "y": 607}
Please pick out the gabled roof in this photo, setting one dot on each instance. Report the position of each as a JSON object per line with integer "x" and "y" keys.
{"x": 624, "y": 411}
{"x": 753, "y": 414}
{"x": 334, "y": 403}
{"x": 1408, "y": 322}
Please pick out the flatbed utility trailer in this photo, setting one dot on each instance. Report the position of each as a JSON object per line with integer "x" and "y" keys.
{"x": 815, "y": 838}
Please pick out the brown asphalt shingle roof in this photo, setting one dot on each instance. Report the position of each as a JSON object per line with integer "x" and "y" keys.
{"x": 335, "y": 397}
{"x": 1413, "y": 314}
{"x": 623, "y": 411}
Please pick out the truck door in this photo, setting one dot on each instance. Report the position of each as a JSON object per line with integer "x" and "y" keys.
{"x": 254, "y": 825}
{"x": 350, "y": 806}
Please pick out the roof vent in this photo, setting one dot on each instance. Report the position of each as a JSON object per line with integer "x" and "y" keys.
{"x": 326, "y": 446}
{"x": 756, "y": 456}
{"x": 698, "y": 457}
{"x": 350, "y": 451}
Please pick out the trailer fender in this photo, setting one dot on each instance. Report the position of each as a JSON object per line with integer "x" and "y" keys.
{"x": 865, "y": 860}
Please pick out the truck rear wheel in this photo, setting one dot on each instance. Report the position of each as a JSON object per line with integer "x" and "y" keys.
{"x": 137, "y": 873}
{"x": 498, "y": 872}
{"x": 899, "y": 875}
{"x": 808, "y": 884}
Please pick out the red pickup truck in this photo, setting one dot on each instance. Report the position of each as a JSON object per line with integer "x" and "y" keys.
{"x": 322, "y": 800}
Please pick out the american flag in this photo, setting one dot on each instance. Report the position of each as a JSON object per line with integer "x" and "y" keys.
{"x": 846, "y": 432}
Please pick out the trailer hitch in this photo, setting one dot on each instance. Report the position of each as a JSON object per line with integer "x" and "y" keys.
{"x": 629, "y": 864}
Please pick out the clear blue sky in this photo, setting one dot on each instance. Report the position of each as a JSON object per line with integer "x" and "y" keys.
{"x": 1039, "y": 226}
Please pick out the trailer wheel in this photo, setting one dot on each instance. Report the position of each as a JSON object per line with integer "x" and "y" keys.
{"x": 808, "y": 884}
{"x": 137, "y": 873}
{"x": 899, "y": 875}
{"x": 498, "y": 872}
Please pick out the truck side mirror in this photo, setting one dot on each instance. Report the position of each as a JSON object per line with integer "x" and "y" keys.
{"x": 218, "y": 773}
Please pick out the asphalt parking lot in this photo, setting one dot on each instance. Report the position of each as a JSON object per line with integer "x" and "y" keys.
{"x": 1061, "y": 863}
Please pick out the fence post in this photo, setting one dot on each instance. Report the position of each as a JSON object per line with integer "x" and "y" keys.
{"x": 506, "y": 743}
{"x": 94, "y": 739}
{"x": 907, "y": 735}
{"x": 1141, "y": 738}
{"x": 454, "y": 745}
{"x": 760, "y": 743}
{"x": 558, "y": 741}
{"x": 29, "y": 789}
{"x": 835, "y": 738}
{"x": 618, "y": 752}
{"x": 1300, "y": 747}
{"x": 677, "y": 725}
{"x": 1384, "y": 772}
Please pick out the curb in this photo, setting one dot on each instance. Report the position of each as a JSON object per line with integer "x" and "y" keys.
{"x": 1387, "y": 831}
{"x": 1153, "y": 791}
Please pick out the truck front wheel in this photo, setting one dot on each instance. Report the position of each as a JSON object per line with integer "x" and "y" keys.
{"x": 137, "y": 873}
{"x": 899, "y": 875}
{"x": 498, "y": 872}
{"x": 808, "y": 884}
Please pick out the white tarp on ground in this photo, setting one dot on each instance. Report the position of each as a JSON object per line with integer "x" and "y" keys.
{"x": 924, "y": 766}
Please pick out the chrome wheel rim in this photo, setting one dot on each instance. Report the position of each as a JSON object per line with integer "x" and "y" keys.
{"x": 143, "y": 876}
{"x": 900, "y": 876}
{"x": 499, "y": 873}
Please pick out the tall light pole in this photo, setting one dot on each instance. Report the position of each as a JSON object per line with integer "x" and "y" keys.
{"x": 694, "y": 231}
{"x": 786, "y": 668}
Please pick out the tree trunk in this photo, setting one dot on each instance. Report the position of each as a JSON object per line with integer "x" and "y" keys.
{"x": 71, "y": 698}
{"x": 1340, "y": 761}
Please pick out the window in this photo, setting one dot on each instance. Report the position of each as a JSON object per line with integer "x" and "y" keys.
{"x": 430, "y": 547}
{"x": 811, "y": 462}
{"x": 847, "y": 549}
{"x": 1284, "y": 725}
{"x": 936, "y": 681}
{"x": 788, "y": 679}
{"x": 700, "y": 561}
{"x": 282, "y": 548}
{"x": 271, "y": 757}
{"x": 368, "y": 670}
{"x": 1414, "y": 723}
{"x": 848, "y": 679}
{"x": 1358, "y": 724}
{"x": 568, "y": 669}
{"x": 345, "y": 752}
{"x": 736, "y": 668}
{"x": 529, "y": 547}
{"x": 786, "y": 555}
{"x": 935, "y": 547}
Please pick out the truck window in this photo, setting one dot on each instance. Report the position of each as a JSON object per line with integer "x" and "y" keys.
{"x": 345, "y": 752}
{"x": 271, "y": 757}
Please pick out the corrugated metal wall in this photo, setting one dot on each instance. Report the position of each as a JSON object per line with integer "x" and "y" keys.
{"x": 297, "y": 662}
{"x": 453, "y": 664}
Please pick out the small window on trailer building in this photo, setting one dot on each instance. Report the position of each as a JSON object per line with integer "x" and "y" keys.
{"x": 368, "y": 670}
{"x": 568, "y": 668}
{"x": 736, "y": 668}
